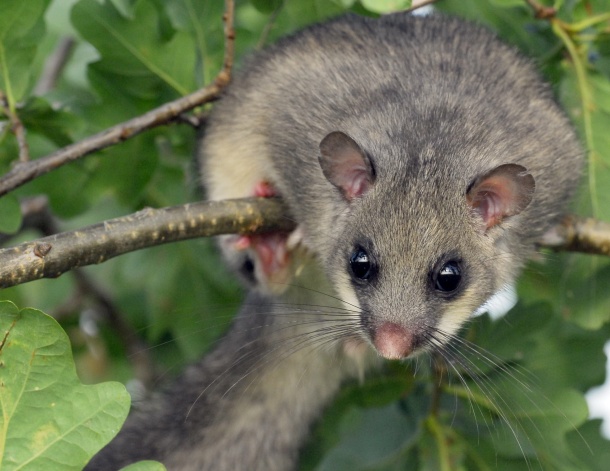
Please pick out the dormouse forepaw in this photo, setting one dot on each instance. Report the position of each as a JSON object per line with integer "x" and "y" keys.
{"x": 242, "y": 242}
{"x": 264, "y": 189}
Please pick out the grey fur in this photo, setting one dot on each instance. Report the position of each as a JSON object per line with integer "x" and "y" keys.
{"x": 435, "y": 103}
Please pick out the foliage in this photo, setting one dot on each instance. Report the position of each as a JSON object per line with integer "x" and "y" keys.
{"x": 513, "y": 397}
{"x": 49, "y": 420}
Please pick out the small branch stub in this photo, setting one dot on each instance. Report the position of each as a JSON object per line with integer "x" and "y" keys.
{"x": 42, "y": 249}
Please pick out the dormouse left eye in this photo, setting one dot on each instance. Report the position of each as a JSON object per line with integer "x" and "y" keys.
{"x": 448, "y": 277}
{"x": 360, "y": 264}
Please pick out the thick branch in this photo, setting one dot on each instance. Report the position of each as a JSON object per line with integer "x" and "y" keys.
{"x": 51, "y": 256}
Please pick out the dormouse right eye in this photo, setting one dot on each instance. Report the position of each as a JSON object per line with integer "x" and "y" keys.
{"x": 448, "y": 277}
{"x": 360, "y": 264}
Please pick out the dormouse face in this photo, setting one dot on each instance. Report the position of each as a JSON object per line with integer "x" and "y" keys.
{"x": 417, "y": 261}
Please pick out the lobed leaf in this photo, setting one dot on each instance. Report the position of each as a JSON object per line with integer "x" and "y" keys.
{"x": 135, "y": 52}
{"x": 49, "y": 420}
{"x": 21, "y": 27}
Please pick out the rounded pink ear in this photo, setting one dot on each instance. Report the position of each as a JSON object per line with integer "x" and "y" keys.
{"x": 345, "y": 165}
{"x": 502, "y": 192}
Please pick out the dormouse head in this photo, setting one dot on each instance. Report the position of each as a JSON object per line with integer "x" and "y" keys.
{"x": 416, "y": 257}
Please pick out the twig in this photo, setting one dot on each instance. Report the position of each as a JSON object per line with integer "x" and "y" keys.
{"x": 54, "y": 66}
{"x": 24, "y": 172}
{"x": 576, "y": 234}
{"x": 17, "y": 128}
{"x": 51, "y": 256}
{"x": 541, "y": 11}
{"x": 262, "y": 40}
{"x": 137, "y": 351}
{"x": 225, "y": 73}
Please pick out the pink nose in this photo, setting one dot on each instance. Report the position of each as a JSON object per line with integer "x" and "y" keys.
{"x": 393, "y": 341}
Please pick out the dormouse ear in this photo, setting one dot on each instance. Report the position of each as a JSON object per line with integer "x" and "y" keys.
{"x": 345, "y": 165}
{"x": 502, "y": 192}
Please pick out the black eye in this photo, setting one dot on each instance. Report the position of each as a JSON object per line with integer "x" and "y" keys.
{"x": 448, "y": 277}
{"x": 360, "y": 264}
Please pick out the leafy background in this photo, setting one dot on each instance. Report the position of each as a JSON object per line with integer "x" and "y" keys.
{"x": 520, "y": 404}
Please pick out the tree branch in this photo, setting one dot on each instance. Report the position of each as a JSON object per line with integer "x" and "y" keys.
{"x": 24, "y": 172}
{"x": 54, "y": 66}
{"x": 52, "y": 256}
{"x": 37, "y": 216}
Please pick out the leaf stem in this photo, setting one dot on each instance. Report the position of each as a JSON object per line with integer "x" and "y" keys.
{"x": 7, "y": 80}
{"x": 16, "y": 127}
{"x": 443, "y": 450}
{"x": 587, "y": 23}
{"x": 559, "y": 28}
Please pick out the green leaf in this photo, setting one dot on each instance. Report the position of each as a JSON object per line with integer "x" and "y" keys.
{"x": 439, "y": 449}
{"x": 372, "y": 437}
{"x": 193, "y": 312}
{"x": 523, "y": 407}
{"x": 385, "y": 6}
{"x": 379, "y": 392}
{"x": 57, "y": 125}
{"x": 576, "y": 285}
{"x": 136, "y": 57}
{"x": 10, "y": 214}
{"x": 507, "y": 3}
{"x": 125, "y": 170}
{"x": 68, "y": 198}
{"x": 145, "y": 466}
{"x": 266, "y": 6}
{"x": 590, "y": 446}
{"x": 202, "y": 20}
{"x": 21, "y": 29}
{"x": 515, "y": 25}
{"x": 49, "y": 420}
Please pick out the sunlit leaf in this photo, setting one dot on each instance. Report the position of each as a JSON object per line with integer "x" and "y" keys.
{"x": 385, "y": 6}
{"x": 134, "y": 51}
{"x": 49, "y": 420}
{"x": 21, "y": 27}
{"x": 145, "y": 466}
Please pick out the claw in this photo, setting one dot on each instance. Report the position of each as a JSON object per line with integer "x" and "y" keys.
{"x": 294, "y": 239}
